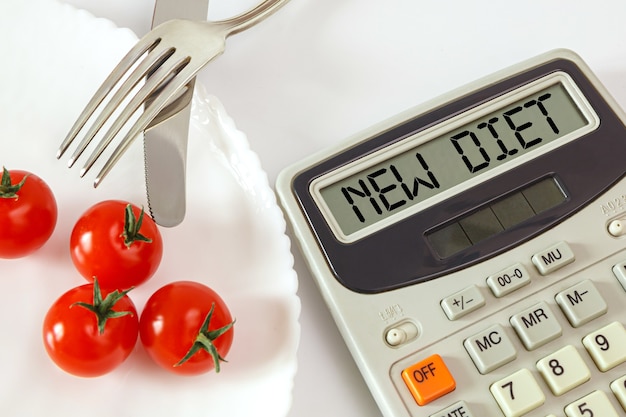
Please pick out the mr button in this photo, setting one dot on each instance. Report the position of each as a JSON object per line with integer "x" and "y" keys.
{"x": 428, "y": 380}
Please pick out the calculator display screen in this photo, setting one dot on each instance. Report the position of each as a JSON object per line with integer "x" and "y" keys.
{"x": 460, "y": 180}
{"x": 499, "y": 132}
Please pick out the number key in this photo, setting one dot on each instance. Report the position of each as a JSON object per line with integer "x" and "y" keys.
{"x": 517, "y": 394}
{"x": 606, "y": 346}
{"x": 619, "y": 389}
{"x": 563, "y": 370}
{"x": 595, "y": 404}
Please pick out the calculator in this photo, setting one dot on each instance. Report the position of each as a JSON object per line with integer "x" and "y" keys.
{"x": 472, "y": 251}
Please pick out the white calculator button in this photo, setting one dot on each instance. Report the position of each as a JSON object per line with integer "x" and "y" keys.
{"x": 463, "y": 302}
{"x": 581, "y": 303}
{"x": 508, "y": 280}
{"x": 490, "y": 349}
{"x": 592, "y": 405}
{"x": 606, "y": 346}
{"x": 517, "y": 394}
{"x": 619, "y": 271}
{"x": 553, "y": 258}
{"x": 536, "y": 326}
{"x": 459, "y": 409}
{"x": 619, "y": 389}
{"x": 563, "y": 370}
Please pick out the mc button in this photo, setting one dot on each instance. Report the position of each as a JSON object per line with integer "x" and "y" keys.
{"x": 428, "y": 380}
{"x": 490, "y": 349}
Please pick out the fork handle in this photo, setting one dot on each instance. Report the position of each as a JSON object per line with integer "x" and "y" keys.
{"x": 249, "y": 18}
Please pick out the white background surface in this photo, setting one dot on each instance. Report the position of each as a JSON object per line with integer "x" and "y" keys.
{"x": 232, "y": 239}
{"x": 322, "y": 70}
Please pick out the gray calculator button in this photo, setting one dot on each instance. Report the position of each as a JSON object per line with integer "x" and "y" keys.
{"x": 459, "y": 409}
{"x": 508, "y": 280}
{"x": 490, "y": 349}
{"x": 553, "y": 258}
{"x": 581, "y": 303}
{"x": 620, "y": 273}
{"x": 536, "y": 326}
{"x": 463, "y": 302}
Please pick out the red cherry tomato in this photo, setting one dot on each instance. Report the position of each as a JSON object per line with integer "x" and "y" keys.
{"x": 28, "y": 213}
{"x": 90, "y": 343}
{"x": 186, "y": 328}
{"x": 115, "y": 242}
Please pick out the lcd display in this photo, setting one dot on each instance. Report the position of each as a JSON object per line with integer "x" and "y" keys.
{"x": 505, "y": 132}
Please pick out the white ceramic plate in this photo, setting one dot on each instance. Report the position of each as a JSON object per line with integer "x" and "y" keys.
{"x": 232, "y": 239}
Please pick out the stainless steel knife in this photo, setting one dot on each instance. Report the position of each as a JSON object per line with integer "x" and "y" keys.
{"x": 165, "y": 143}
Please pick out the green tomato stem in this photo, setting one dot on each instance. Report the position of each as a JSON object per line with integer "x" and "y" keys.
{"x": 7, "y": 188}
{"x": 204, "y": 341}
{"x": 132, "y": 225}
{"x": 103, "y": 308}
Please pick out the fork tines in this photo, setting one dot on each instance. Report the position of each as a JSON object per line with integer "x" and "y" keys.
{"x": 142, "y": 71}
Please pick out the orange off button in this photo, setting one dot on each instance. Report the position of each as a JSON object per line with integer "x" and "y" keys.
{"x": 428, "y": 380}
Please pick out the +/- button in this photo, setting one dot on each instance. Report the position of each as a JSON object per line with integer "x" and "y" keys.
{"x": 463, "y": 302}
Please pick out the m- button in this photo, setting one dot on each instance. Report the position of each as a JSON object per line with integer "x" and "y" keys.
{"x": 581, "y": 303}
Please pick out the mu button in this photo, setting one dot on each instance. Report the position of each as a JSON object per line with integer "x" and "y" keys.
{"x": 428, "y": 380}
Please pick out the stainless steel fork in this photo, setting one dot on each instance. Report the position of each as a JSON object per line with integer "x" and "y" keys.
{"x": 171, "y": 54}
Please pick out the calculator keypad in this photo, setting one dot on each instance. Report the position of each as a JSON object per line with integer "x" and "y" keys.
{"x": 558, "y": 371}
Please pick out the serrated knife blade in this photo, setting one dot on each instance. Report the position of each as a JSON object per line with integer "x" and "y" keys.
{"x": 165, "y": 144}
